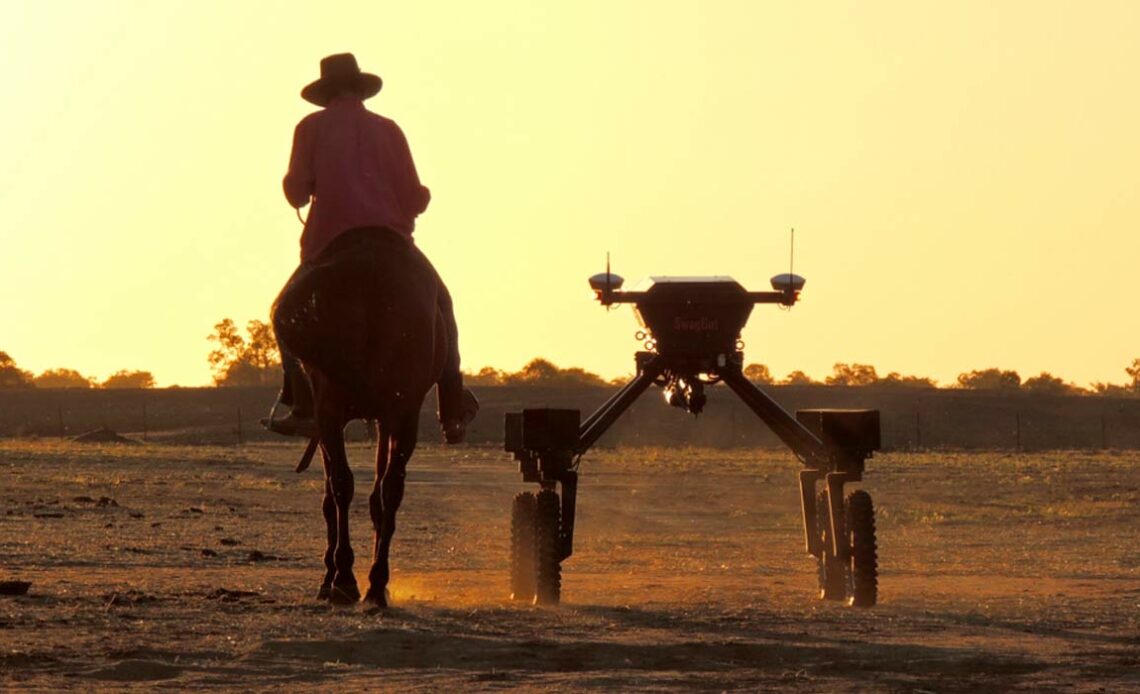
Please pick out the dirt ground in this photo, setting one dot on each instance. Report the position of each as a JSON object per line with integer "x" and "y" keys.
{"x": 196, "y": 567}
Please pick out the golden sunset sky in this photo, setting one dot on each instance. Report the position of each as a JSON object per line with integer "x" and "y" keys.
{"x": 962, "y": 176}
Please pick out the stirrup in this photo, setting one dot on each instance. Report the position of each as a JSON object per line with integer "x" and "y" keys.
{"x": 291, "y": 425}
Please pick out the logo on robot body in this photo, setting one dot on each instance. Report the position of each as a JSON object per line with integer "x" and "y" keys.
{"x": 696, "y": 325}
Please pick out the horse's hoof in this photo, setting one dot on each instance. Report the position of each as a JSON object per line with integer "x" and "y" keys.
{"x": 344, "y": 595}
{"x": 324, "y": 592}
{"x": 376, "y": 598}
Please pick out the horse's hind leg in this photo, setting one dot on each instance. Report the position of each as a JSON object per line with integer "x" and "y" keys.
{"x": 377, "y": 594}
{"x": 339, "y": 479}
{"x": 328, "y": 508}
{"x": 391, "y": 494}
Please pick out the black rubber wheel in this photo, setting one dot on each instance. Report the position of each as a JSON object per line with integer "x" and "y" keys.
{"x": 863, "y": 581}
{"x": 832, "y": 570}
{"x": 548, "y": 546}
{"x": 523, "y": 547}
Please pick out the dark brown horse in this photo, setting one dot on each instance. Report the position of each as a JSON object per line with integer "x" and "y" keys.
{"x": 364, "y": 321}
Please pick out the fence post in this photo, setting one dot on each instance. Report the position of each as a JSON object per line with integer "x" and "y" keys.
{"x": 144, "y": 422}
{"x": 917, "y": 430}
{"x": 1018, "y": 416}
{"x": 239, "y": 427}
{"x": 59, "y": 413}
{"x": 1103, "y": 433}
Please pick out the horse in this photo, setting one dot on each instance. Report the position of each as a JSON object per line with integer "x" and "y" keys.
{"x": 364, "y": 322}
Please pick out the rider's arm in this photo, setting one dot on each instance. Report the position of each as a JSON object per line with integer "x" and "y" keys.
{"x": 414, "y": 196}
{"x": 299, "y": 179}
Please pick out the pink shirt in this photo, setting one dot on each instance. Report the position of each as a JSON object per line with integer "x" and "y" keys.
{"x": 358, "y": 169}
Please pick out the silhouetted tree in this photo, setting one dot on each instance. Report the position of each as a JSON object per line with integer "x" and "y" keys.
{"x": 852, "y": 375}
{"x": 798, "y": 378}
{"x": 244, "y": 361}
{"x": 620, "y": 380}
{"x": 1134, "y": 373}
{"x": 990, "y": 379}
{"x": 1112, "y": 390}
{"x": 62, "y": 378}
{"x": 1121, "y": 391}
{"x": 12, "y": 376}
{"x": 540, "y": 371}
{"x": 1047, "y": 384}
{"x": 895, "y": 379}
{"x": 129, "y": 379}
{"x": 486, "y": 376}
{"x": 758, "y": 373}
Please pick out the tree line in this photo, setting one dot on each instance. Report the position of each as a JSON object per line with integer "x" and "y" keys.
{"x": 12, "y": 376}
{"x": 1045, "y": 383}
{"x": 251, "y": 359}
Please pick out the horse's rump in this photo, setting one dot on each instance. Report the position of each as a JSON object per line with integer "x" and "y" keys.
{"x": 364, "y": 314}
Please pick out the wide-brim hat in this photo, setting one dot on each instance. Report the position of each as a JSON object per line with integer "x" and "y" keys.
{"x": 340, "y": 72}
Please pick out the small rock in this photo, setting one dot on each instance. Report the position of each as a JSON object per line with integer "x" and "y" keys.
{"x": 105, "y": 501}
{"x": 229, "y": 541}
{"x": 14, "y": 587}
{"x": 230, "y": 595}
{"x": 258, "y": 555}
{"x": 209, "y": 553}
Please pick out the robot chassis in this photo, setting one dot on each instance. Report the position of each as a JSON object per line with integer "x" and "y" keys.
{"x": 692, "y": 332}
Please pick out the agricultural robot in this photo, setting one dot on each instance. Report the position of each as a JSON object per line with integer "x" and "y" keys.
{"x": 691, "y": 333}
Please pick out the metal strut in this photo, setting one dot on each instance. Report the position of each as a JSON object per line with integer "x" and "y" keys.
{"x": 605, "y": 416}
{"x": 795, "y": 436}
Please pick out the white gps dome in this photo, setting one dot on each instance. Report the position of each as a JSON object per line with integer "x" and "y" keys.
{"x": 788, "y": 282}
{"x": 603, "y": 280}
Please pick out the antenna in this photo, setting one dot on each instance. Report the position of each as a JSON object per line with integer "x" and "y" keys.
{"x": 792, "y": 254}
{"x": 609, "y": 289}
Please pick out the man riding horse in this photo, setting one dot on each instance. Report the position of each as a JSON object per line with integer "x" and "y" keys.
{"x": 356, "y": 169}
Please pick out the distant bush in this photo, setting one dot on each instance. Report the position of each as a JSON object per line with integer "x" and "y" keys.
{"x": 852, "y": 375}
{"x": 798, "y": 378}
{"x": 542, "y": 372}
{"x": 1048, "y": 384}
{"x": 990, "y": 379}
{"x": 63, "y": 378}
{"x": 895, "y": 379}
{"x": 487, "y": 376}
{"x": 129, "y": 379}
{"x": 1112, "y": 390}
{"x": 758, "y": 373}
{"x": 537, "y": 371}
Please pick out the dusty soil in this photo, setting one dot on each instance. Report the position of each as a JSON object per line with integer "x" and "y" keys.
{"x": 196, "y": 567}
